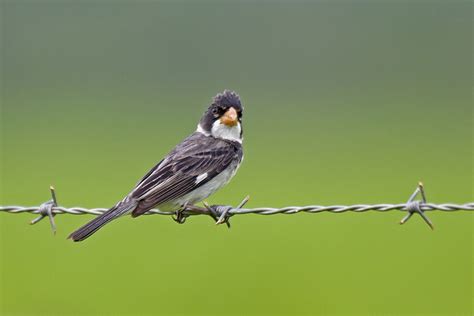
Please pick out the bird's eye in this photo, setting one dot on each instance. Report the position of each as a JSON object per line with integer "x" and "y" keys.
{"x": 215, "y": 111}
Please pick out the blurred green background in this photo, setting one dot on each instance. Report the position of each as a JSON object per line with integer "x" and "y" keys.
{"x": 346, "y": 102}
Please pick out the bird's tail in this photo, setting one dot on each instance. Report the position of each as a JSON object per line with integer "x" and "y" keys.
{"x": 94, "y": 225}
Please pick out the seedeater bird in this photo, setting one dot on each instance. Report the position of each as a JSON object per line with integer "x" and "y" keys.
{"x": 204, "y": 162}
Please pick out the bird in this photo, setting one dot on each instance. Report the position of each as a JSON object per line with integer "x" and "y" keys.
{"x": 197, "y": 167}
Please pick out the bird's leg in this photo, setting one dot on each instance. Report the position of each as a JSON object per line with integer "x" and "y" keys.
{"x": 219, "y": 213}
{"x": 180, "y": 217}
{"x": 188, "y": 209}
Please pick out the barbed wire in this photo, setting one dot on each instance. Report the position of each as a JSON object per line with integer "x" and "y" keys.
{"x": 222, "y": 213}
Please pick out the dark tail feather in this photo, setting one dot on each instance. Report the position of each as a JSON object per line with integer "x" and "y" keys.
{"x": 97, "y": 223}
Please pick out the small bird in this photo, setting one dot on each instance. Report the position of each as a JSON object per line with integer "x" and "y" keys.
{"x": 196, "y": 168}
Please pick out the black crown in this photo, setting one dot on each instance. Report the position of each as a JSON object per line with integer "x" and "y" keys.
{"x": 227, "y": 98}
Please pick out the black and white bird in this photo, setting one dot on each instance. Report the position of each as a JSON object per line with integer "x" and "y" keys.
{"x": 204, "y": 162}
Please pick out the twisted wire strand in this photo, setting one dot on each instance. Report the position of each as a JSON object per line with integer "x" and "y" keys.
{"x": 445, "y": 207}
{"x": 222, "y": 213}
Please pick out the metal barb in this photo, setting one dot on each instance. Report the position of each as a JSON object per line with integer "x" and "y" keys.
{"x": 46, "y": 209}
{"x": 212, "y": 213}
{"x": 224, "y": 211}
{"x": 413, "y": 206}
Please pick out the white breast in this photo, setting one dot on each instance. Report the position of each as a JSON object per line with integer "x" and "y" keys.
{"x": 210, "y": 187}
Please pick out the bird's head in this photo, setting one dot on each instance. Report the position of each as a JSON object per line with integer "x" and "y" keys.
{"x": 223, "y": 118}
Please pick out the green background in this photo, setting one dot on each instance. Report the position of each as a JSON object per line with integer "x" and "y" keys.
{"x": 345, "y": 102}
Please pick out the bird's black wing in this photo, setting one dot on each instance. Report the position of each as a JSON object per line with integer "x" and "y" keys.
{"x": 183, "y": 170}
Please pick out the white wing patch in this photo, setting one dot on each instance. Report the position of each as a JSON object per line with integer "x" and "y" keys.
{"x": 201, "y": 177}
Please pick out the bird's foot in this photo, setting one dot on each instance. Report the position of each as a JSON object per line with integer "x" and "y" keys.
{"x": 180, "y": 216}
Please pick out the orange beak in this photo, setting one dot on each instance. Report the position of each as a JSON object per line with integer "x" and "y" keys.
{"x": 230, "y": 117}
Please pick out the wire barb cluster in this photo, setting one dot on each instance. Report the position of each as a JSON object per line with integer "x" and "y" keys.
{"x": 222, "y": 213}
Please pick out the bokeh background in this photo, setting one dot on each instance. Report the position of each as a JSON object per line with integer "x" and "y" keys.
{"x": 345, "y": 102}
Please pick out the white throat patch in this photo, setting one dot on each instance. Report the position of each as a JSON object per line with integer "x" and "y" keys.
{"x": 223, "y": 131}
